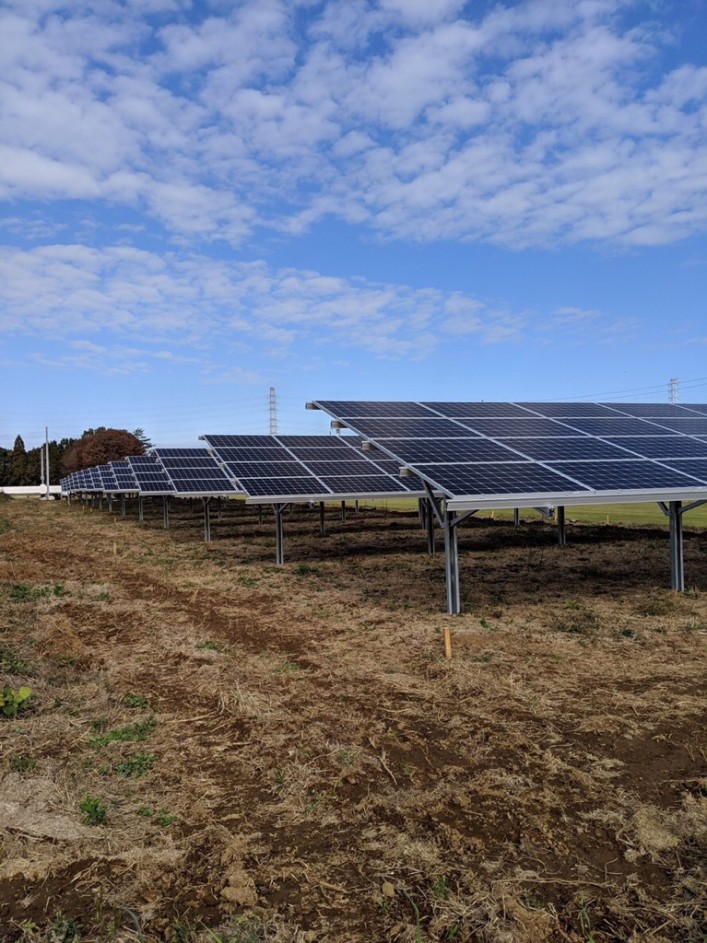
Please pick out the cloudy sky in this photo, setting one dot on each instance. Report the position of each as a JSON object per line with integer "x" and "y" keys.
{"x": 373, "y": 199}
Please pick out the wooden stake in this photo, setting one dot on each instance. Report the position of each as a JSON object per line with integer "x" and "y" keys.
{"x": 447, "y": 642}
{"x": 115, "y": 548}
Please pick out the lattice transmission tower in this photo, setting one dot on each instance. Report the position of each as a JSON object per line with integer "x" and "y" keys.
{"x": 273, "y": 411}
{"x": 673, "y": 391}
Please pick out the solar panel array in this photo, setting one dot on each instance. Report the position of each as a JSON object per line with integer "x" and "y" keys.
{"x": 112, "y": 478}
{"x": 265, "y": 468}
{"x": 477, "y": 452}
{"x": 472, "y": 452}
{"x": 291, "y": 467}
{"x": 151, "y": 477}
{"x": 124, "y": 476}
{"x": 194, "y": 472}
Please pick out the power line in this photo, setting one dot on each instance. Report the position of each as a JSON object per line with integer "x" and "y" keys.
{"x": 684, "y": 384}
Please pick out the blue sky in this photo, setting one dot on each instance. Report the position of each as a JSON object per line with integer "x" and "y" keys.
{"x": 362, "y": 199}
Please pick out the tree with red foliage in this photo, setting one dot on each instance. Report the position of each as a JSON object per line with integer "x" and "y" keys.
{"x": 99, "y": 447}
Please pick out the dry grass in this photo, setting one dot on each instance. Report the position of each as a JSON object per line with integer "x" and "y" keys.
{"x": 283, "y": 754}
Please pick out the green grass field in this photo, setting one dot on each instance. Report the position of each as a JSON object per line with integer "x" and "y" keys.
{"x": 597, "y": 514}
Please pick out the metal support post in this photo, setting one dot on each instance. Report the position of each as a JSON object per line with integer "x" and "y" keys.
{"x": 429, "y": 517}
{"x": 110, "y": 503}
{"x": 561, "y": 530}
{"x": 356, "y": 505}
{"x": 279, "y": 534}
{"x": 343, "y": 512}
{"x": 207, "y": 519}
{"x": 219, "y": 509}
{"x": 545, "y": 513}
{"x": 516, "y": 518}
{"x": 140, "y": 509}
{"x": 677, "y": 567}
{"x": 122, "y": 505}
{"x": 165, "y": 512}
{"x": 451, "y": 563}
{"x": 322, "y": 528}
{"x": 260, "y": 513}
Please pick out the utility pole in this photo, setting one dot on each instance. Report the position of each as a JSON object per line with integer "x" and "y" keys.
{"x": 273, "y": 411}
{"x": 46, "y": 442}
{"x": 41, "y": 465}
{"x": 673, "y": 392}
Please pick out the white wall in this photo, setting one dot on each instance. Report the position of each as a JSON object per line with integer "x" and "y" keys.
{"x": 31, "y": 489}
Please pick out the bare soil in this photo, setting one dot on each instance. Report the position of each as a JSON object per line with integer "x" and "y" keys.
{"x": 285, "y": 754}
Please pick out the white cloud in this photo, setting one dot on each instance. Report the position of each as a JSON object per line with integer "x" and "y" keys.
{"x": 536, "y": 123}
{"x": 130, "y": 308}
{"x": 95, "y": 358}
{"x": 421, "y": 12}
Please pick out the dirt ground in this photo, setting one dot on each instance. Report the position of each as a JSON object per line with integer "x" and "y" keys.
{"x": 220, "y": 749}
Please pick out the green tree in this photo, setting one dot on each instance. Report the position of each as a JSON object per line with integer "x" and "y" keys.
{"x": 146, "y": 441}
{"x": 20, "y": 464}
{"x": 4, "y": 467}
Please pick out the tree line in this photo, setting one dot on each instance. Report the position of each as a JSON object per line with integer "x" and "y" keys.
{"x": 21, "y": 466}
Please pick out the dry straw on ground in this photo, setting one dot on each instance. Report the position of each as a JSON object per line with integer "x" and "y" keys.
{"x": 220, "y": 749}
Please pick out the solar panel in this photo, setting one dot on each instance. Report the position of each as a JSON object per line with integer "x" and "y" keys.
{"x": 124, "y": 476}
{"x": 568, "y": 410}
{"x": 153, "y": 481}
{"x": 495, "y": 478}
{"x": 110, "y": 484}
{"x": 567, "y": 448}
{"x": 391, "y": 467}
{"x": 650, "y": 410}
{"x": 318, "y": 441}
{"x": 453, "y": 410}
{"x": 610, "y": 426}
{"x": 363, "y": 485}
{"x": 313, "y": 453}
{"x": 343, "y": 408}
{"x": 280, "y": 487}
{"x": 451, "y": 450}
{"x": 176, "y": 464}
{"x": 203, "y": 485}
{"x": 690, "y": 426}
{"x": 560, "y": 450}
{"x": 521, "y": 428}
{"x": 94, "y": 480}
{"x": 231, "y": 454}
{"x": 411, "y": 428}
{"x": 625, "y": 475}
{"x": 693, "y": 467}
{"x": 182, "y": 453}
{"x": 240, "y": 441}
{"x": 265, "y": 469}
{"x": 194, "y": 471}
{"x": 151, "y": 478}
{"x": 344, "y": 467}
{"x": 666, "y": 446}
{"x": 295, "y": 467}
{"x": 700, "y": 408}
